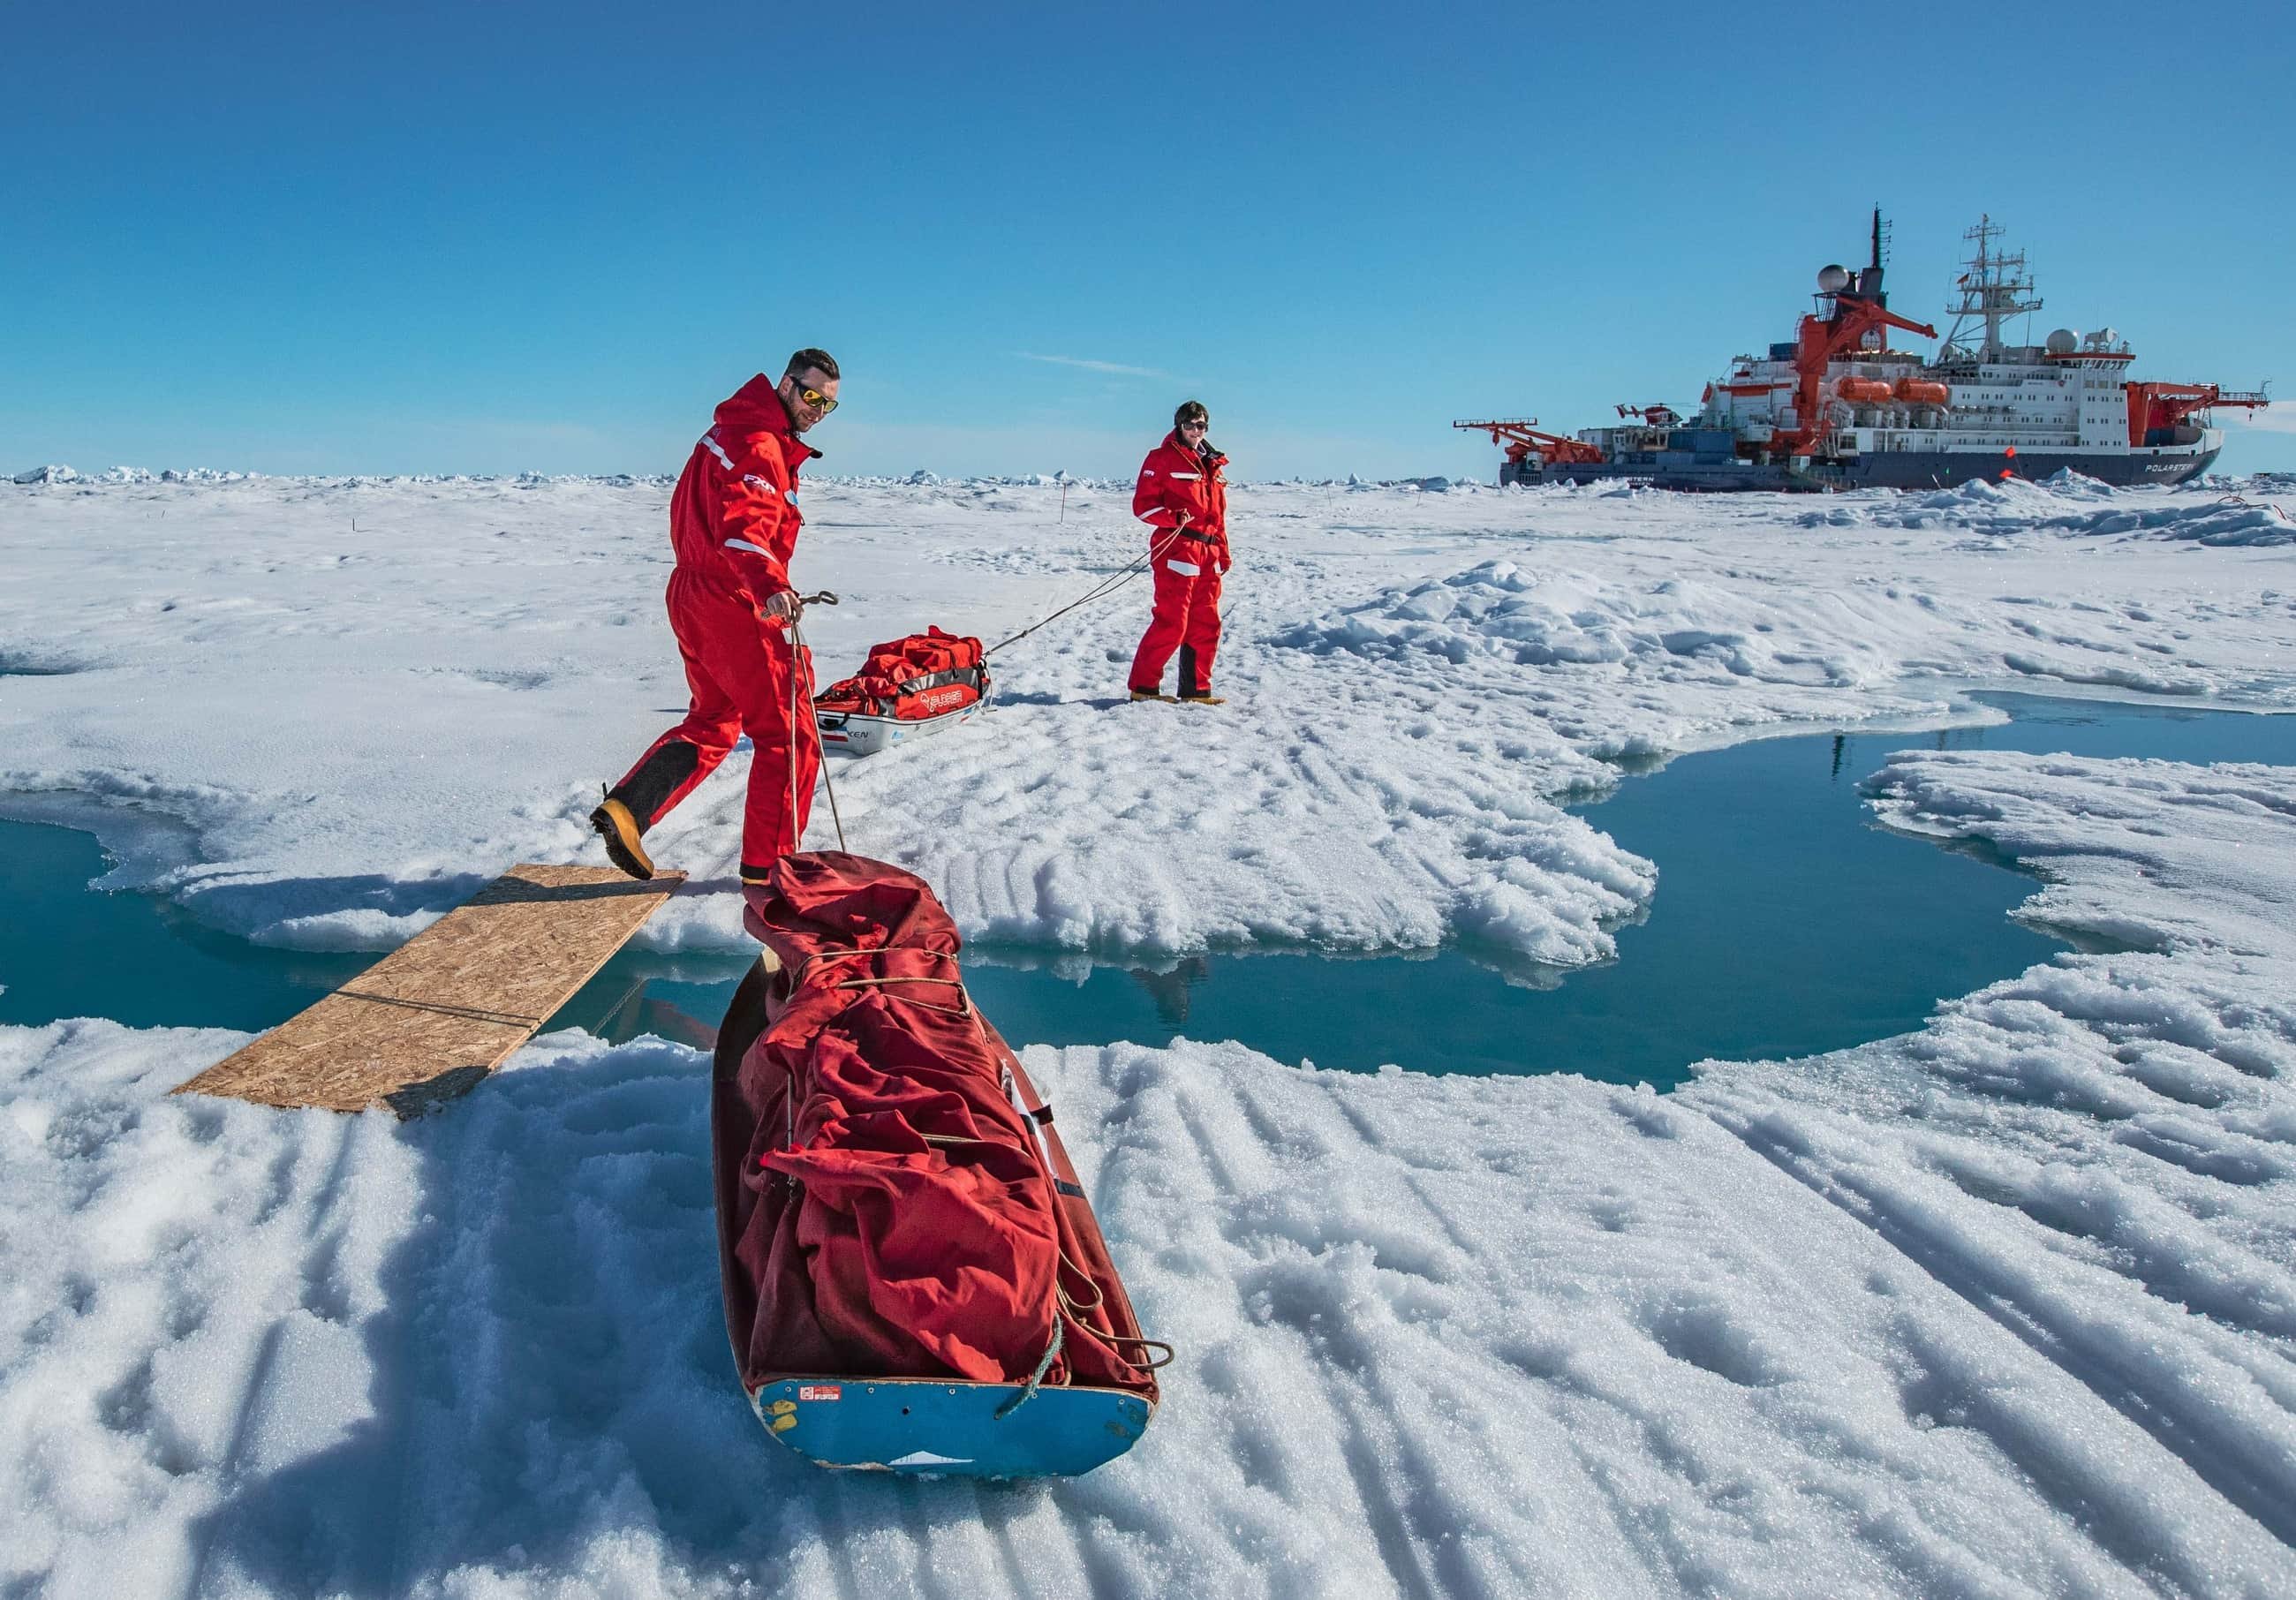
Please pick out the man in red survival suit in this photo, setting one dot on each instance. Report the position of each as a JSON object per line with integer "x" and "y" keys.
{"x": 1183, "y": 500}
{"x": 734, "y": 523}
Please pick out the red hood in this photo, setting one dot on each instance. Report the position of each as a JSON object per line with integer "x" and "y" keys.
{"x": 755, "y": 409}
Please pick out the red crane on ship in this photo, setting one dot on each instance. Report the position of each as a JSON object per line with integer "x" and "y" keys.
{"x": 1820, "y": 339}
{"x": 2157, "y": 406}
{"x": 1523, "y": 440}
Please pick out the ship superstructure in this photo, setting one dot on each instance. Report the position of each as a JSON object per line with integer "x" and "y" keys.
{"x": 1838, "y": 406}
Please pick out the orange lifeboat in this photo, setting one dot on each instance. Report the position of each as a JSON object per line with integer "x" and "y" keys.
{"x": 1921, "y": 391}
{"x": 1865, "y": 392}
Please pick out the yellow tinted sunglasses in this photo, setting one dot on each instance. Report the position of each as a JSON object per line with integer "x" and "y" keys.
{"x": 816, "y": 400}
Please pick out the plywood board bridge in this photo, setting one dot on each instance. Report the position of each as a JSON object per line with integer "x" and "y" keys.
{"x": 429, "y": 1020}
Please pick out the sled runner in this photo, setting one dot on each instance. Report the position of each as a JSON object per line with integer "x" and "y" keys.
{"x": 914, "y": 1278}
{"x": 865, "y": 735}
{"x": 924, "y": 684}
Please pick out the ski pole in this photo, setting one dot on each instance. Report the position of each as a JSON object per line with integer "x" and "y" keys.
{"x": 804, "y": 653}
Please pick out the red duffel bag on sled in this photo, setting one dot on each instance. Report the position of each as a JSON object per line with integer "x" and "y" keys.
{"x": 917, "y": 684}
{"x": 914, "y": 1278}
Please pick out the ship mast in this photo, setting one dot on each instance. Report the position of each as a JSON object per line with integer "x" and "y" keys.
{"x": 1995, "y": 287}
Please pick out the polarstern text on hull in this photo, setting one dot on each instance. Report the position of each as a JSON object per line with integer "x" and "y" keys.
{"x": 1836, "y": 407}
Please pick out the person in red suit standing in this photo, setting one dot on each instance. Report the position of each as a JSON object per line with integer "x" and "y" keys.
{"x": 1183, "y": 498}
{"x": 734, "y": 523}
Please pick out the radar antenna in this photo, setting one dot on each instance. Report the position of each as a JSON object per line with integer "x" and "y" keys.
{"x": 1995, "y": 286}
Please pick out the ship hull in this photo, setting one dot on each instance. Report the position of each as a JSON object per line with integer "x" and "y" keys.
{"x": 1905, "y": 469}
{"x": 1897, "y": 469}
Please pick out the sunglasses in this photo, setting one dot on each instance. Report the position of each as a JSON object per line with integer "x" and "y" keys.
{"x": 816, "y": 400}
{"x": 1194, "y": 427}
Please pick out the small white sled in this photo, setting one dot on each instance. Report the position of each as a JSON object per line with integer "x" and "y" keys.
{"x": 866, "y": 735}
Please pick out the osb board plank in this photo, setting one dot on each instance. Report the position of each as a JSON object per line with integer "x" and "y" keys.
{"x": 430, "y": 1019}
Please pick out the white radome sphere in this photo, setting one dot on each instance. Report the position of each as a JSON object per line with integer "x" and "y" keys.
{"x": 1833, "y": 280}
{"x": 2065, "y": 342}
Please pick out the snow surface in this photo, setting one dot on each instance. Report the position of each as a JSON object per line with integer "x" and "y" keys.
{"x": 2005, "y": 1307}
{"x": 2019, "y": 503}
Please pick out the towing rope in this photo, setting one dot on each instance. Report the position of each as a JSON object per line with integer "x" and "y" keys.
{"x": 1100, "y": 591}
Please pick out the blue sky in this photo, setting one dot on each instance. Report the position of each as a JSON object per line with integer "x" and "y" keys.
{"x": 501, "y": 237}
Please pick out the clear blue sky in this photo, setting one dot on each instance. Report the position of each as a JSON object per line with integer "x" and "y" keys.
{"x": 497, "y": 237}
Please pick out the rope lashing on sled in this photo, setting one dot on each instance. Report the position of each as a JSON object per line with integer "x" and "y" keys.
{"x": 1170, "y": 1355}
{"x": 803, "y": 652}
{"x": 1100, "y": 591}
{"x": 1077, "y": 1296}
{"x": 963, "y": 1008}
{"x": 1065, "y": 1306}
{"x": 1081, "y": 1310}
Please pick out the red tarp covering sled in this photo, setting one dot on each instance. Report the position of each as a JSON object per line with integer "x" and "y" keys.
{"x": 891, "y": 1199}
{"x": 924, "y": 674}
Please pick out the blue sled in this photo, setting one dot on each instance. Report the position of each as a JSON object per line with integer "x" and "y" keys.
{"x": 924, "y": 1425}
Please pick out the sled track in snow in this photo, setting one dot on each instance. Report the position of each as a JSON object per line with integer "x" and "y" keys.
{"x": 2067, "y": 1340}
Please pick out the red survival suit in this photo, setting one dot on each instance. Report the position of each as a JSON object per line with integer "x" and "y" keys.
{"x": 1175, "y": 480}
{"x": 734, "y": 523}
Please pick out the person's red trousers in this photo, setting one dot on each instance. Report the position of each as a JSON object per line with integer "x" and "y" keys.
{"x": 1186, "y": 617}
{"x": 745, "y": 678}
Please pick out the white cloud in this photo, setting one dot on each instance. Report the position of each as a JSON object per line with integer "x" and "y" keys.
{"x": 2280, "y": 418}
{"x": 1116, "y": 367}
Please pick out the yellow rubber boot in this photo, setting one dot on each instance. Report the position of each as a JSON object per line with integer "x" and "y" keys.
{"x": 619, "y": 830}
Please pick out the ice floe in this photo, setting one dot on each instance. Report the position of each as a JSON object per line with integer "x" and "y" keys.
{"x": 2003, "y": 1306}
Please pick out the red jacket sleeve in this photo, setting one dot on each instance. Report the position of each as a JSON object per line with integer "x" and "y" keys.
{"x": 751, "y": 512}
{"x": 1151, "y": 499}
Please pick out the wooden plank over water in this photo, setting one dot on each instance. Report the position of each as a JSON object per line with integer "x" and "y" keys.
{"x": 437, "y": 1015}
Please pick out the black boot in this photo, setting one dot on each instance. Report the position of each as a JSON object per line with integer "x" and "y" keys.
{"x": 1192, "y": 687}
{"x": 632, "y": 805}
